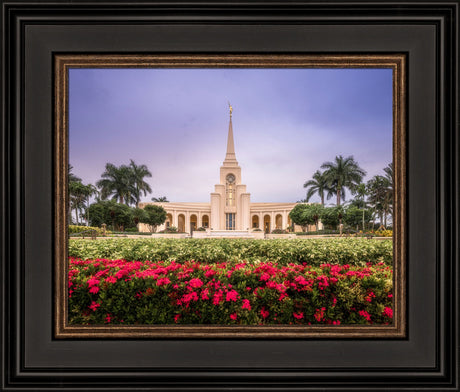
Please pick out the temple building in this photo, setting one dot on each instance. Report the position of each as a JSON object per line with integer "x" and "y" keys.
{"x": 230, "y": 208}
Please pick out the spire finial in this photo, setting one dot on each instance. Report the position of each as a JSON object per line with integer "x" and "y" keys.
{"x": 230, "y": 159}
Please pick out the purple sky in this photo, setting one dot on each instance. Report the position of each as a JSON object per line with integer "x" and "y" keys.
{"x": 286, "y": 123}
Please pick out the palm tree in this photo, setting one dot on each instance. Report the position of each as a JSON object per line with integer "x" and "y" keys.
{"x": 89, "y": 191}
{"x": 162, "y": 199}
{"x": 139, "y": 172}
{"x": 79, "y": 194}
{"x": 77, "y": 198}
{"x": 360, "y": 193}
{"x": 70, "y": 176}
{"x": 319, "y": 184}
{"x": 389, "y": 171}
{"x": 118, "y": 183}
{"x": 380, "y": 191}
{"x": 343, "y": 173}
{"x": 72, "y": 179}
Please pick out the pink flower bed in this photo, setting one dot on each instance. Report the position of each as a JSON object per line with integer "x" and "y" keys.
{"x": 135, "y": 292}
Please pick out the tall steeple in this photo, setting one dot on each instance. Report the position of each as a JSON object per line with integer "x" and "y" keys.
{"x": 230, "y": 158}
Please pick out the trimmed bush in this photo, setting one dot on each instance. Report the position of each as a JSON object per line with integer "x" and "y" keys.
{"x": 171, "y": 229}
{"x": 319, "y": 232}
{"x": 121, "y": 292}
{"x": 354, "y": 251}
{"x": 278, "y": 231}
{"x": 74, "y": 229}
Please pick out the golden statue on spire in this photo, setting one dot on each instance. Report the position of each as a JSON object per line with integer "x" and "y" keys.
{"x": 231, "y": 109}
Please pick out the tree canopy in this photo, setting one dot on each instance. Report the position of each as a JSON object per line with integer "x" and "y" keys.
{"x": 342, "y": 173}
{"x": 154, "y": 216}
{"x": 124, "y": 183}
{"x": 306, "y": 214}
{"x": 318, "y": 184}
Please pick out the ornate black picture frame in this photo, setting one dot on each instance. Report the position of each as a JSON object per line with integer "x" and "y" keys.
{"x": 35, "y": 32}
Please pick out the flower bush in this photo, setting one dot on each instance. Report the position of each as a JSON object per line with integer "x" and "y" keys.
{"x": 106, "y": 291}
{"x": 384, "y": 233}
{"x": 353, "y": 251}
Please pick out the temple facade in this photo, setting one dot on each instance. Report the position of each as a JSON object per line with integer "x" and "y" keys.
{"x": 230, "y": 208}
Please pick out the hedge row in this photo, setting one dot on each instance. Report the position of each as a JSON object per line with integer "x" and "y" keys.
{"x": 355, "y": 251}
{"x": 120, "y": 292}
{"x": 74, "y": 229}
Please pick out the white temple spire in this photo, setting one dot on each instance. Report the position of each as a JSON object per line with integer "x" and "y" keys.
{"x": 230, "y": 158}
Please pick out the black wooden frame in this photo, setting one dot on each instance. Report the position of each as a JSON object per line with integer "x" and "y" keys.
{"x": 35, "y": 30}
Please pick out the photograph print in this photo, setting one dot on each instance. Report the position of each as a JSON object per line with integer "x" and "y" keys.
{"x": 230, "y": 197}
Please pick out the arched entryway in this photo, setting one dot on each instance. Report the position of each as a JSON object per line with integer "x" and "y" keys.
{"x": 279, "y": 221}
{"x": 193, "y": 222}
{"x": 267, "y": 224}
{"x": 255, "y": 221}
{"x": 169, "y": 220}
{"x": 205, "y": 221}
{"x": 181, "y": 223}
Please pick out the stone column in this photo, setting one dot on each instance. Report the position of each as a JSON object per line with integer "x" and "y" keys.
{"x": 245, "y": 221}
{"x": 174, "y": 217}
{"x": 187, "y": 221}
{"x": 214, "y": 219}
{"x": 272, "y": 221}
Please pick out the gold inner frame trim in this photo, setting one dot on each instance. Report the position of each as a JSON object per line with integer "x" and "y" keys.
{"x": 396, "y": 62}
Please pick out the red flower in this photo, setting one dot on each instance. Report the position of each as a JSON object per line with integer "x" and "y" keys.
{"x": 232, "y": 295}
{"x": 246, "y": 304}
{"x": 210, "y": 273}
{"x": 364, "y": 314}
{"x": 217, "y": 297}
{"x": 163, "y": 281}
{"x": 94, "y": 305}
{"x": 388, "y": 312}
{"x": 205, "y": 294}
{"x": 94, "y": 290}
{"x": 195, "y": 283}
{"x": 110, "y": 279}
{"x": 298, "y": 316}
{"x": 233, "y": 316}
{"x": 264, "y": 313}
{"x": 176, "y": 318}
{"x": 319, "y": 315}
{"x": 264, "y": 276}
{"x": 282, "y": 296}
{"x": 93, "y": 282}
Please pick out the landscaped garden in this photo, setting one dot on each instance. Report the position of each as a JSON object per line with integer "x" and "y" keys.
{"x": 230, "y": 281}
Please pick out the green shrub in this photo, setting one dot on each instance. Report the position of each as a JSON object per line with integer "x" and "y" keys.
{"x": 279, "y": 231}
{"x": 319, "y": 232}
{"x": 354, "y": 251}
{"x": 170, "y": 229}
{"x": 75, "y": 229}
